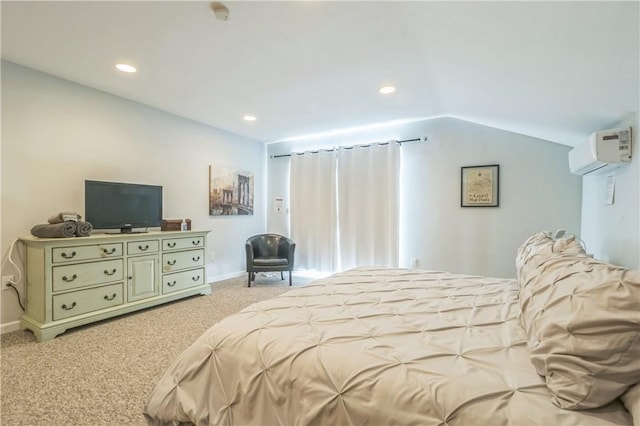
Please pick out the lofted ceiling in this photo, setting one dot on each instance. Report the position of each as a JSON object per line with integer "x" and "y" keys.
{"x": 553, "y": 70}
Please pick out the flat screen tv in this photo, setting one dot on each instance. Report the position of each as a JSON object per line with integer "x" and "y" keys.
{"x": 124, "y": 206}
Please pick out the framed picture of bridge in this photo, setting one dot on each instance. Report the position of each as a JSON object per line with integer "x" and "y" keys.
{"x": 230, "y": 192}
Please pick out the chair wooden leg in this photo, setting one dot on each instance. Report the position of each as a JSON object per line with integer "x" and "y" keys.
{"x": 290, "y": 278}
{"x": 281, "y": 275}
{"x": 249, "y": 280}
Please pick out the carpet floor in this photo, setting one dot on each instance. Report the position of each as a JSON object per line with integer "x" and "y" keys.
{"x": 102, "y": 374}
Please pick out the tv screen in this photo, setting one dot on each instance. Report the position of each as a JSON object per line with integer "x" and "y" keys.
{"x": 124, "y": 206}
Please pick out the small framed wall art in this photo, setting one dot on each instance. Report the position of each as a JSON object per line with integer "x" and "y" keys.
{"x": 480, "y": 186}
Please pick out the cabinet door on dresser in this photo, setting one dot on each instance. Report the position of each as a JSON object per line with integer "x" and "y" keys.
{"x": 143, "y": 278}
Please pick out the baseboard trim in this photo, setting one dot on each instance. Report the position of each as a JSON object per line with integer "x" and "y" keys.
{"x": 9, "y": 327}
{"x": 226, "y": 276}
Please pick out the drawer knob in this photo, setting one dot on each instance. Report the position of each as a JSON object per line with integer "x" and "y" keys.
{"x": 197, "y": 278}
{"x": 68, "y": 308}
{"x": 145, "y": 248}
{"x": 106, "y": 297}
{"x": 171, "y": 262}
{"x": 69, "y": 256}
{"x": 195, "y": 242}
{"x": 68, "y": 280}
{"x": 113, "y": 271}
{"x": 171, "y": 284}
{"x": 195, "y": 259}
{"x": 107, "y": 251}
{"x": 171, "y": 245}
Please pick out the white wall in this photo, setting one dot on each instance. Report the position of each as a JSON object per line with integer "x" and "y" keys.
{"x": 537, "y": 192}
{"x": 56, "y": 134}
{"x": 612, "y": 232}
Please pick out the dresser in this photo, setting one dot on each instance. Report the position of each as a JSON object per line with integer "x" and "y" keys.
{"x": 76, "y": 281}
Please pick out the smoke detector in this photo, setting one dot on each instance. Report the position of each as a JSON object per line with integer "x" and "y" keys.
{"x": 220, "y": 11}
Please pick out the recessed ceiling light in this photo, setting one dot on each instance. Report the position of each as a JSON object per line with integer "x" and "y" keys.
{"x": 220, "y": 10}
{"x": 249, "y": 117}
{"x": 126, "y": 68}
{"x": 387, "y": 89}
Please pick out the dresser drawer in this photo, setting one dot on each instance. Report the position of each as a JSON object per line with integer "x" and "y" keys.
{"x": 75, "y": 253}
{"x": 89, "y": 300}
{"x": 182, "y": 243}
{"x": 176, "y": 261}
{"x": 68, "y": 277}
{"x": 143, "y": 247}
{"x": 182, "y": 280}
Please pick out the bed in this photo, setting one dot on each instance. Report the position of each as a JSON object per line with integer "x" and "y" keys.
{"x": 558, "y": 345}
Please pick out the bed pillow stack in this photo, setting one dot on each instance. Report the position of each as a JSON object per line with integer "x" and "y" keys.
{"x": 582, "y": 320}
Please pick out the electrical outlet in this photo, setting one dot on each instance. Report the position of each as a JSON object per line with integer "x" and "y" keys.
{"x": 5, "y": 281}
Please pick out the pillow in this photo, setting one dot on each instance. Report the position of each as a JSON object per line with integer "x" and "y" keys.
{"x": 631, "y": 400}
{"x": 582, "y": 321}
{"x": 538, "y": 248}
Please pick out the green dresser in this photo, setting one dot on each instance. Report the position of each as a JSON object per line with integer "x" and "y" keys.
{"x": 76, "y": 281}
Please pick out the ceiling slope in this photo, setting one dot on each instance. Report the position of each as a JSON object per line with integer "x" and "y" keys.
{"x": 552, "y": 70}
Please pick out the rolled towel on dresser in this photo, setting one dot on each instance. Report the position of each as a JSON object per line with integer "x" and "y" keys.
{"x": 55, "y": 230}
{"x": 65, "y": 217}
{"x": 83, "y": 229}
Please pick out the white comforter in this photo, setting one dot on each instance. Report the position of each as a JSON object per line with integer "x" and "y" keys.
{"x": 369, "y": 346}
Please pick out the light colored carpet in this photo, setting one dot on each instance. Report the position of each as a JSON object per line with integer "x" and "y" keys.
{"x": 102, "y": 374}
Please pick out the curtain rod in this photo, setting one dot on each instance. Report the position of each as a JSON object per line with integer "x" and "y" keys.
{"x": 420, "y": 139}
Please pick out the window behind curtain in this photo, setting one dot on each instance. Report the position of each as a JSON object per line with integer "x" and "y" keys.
{"x": 313, "y": 210}
{"x": 344, "y": 207}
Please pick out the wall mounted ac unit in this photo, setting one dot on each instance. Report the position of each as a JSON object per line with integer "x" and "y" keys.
{"x": 602, "y": 152}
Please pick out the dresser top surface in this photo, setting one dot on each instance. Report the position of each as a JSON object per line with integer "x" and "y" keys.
{"x": 96, "y": 237}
